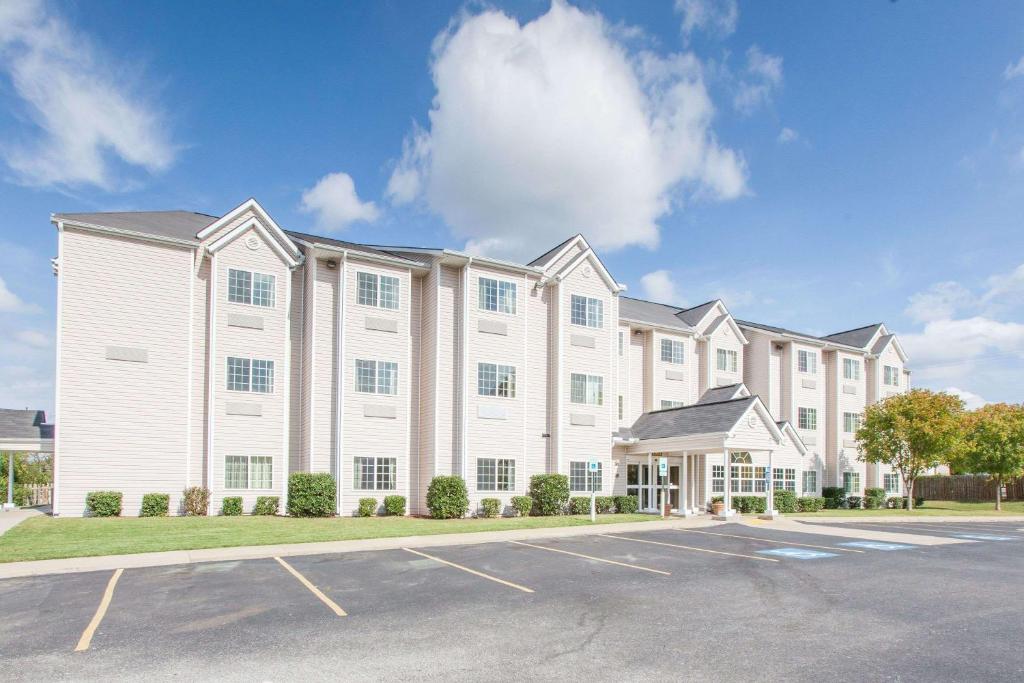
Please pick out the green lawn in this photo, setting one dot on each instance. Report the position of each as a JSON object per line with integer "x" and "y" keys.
{"x": 46, "y": 538}
{"x": 931, "y": 508}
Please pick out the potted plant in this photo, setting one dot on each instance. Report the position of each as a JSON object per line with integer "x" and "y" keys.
{"x": 718, "y": 505}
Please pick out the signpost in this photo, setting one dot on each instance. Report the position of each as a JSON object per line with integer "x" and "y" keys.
{"x": 663, "y": 473}
{"x": 593, "y": 467}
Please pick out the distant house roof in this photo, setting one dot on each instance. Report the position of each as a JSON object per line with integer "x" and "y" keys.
{"x": 858, "y": 337}
{"x": 24, "y": 424}
{"x": 182, "y": 225}
{"x": 724, "y": 393}
{"x": 700, "y": 418}
{"x": 651, "y": 313}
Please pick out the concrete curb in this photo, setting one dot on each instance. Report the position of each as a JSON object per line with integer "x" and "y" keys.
{"x": 901, "y": 519}
{"x": 109, "y": 562}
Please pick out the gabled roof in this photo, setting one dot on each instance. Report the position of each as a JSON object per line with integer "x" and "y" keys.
{"x": 693, "y": 316}
{"x": 884, "y": 341}
{"x": 787, "y": 428}
{"x": 699, "y": 418}
{"x": 179, "y": 225}
{"x": 551, "y": 254}
{"x": 724, "y": 393}
{"x": 652, "y": 313}
{"x": 352, "y": 246}
{"x": 777, "y": 330}
{"x": 24, "y": 424}
{"x": 858, "y": 337}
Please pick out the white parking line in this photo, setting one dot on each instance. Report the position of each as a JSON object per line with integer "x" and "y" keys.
{"x": 768, "y": 540}
{"x": 596, "y": 559}
{"x": 471, "y": 571}
{"x": 313, "y": 589}
{"x": 690, "y": 547}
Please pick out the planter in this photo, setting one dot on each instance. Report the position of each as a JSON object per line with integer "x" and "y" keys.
{"x": 717, "y": 508}
{"x": 666, "y": 509}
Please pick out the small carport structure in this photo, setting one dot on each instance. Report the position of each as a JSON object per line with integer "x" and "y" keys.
{"x": 22, "y": 431}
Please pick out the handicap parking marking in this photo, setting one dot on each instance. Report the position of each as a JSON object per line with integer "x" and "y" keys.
{"x": 798, "y": 553}
{"x": 877, "y": 545}
{"x": 986, "y": 537}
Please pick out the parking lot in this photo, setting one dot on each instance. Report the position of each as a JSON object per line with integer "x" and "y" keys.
{"x": 727, "y": 601}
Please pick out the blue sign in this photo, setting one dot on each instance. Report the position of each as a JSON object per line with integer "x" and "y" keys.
{"x": 985, "y": 537}
{"x": 876, "y": 545}
{"x": 593, "y": 465}
{"x": 798, "y": 553}
{"x": 662, "y": 466}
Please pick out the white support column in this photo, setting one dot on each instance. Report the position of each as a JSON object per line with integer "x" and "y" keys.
{"x": 770, "y": 511}
{"x": 650, "y": 482}
{"x": 728, "y": 511}
{"x": 684, "y": 484}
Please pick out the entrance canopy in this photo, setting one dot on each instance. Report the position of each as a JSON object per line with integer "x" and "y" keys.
{"x": 25, "y": 431}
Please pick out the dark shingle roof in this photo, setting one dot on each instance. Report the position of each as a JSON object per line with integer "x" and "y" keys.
{"x": 650, "y": 312}
{"x": 692, "y": 316}
{"x": 700, "y": 418}
{"x": 545, "y": 258}
{"x": 724, "y": 393}
{"x": 182, "y": 225}
{"x": 858, "y": 337}
{"x": 777, "y": 330}
{"x": 24, "y": 424}
{"x": 342, "y": 244}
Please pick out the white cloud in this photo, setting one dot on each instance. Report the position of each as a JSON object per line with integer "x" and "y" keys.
{"x": 553, "y": 127}
{"x": 33, "y": 338}
{"x": 787, "y": 135}
{"x": 718, "y": 17}
{"x": 335, "y": 203}
{"x": 972, "y": 401}
{"x": 88, "y": 117}
{"x": 1014, "y": 70}
{"x": 25, "y": 387}
{"x": 762, "y": 77}
{"x": 951, "y": 347}
{"x": 658, "y": 286}
{"x": 940, "y": 301}
{"x": 10, "y": 302}
{"x": 1005, "y": 288}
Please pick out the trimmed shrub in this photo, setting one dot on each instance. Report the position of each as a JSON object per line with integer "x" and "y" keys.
{"x": 626, "y": 505}
{"x": 897, "y": 502}
{"x": 785, "y": 501}
{"x": 367, "y": 507}
{"x": 231, "y": 506}
{"x": 196, "y": 501}
{"x": 155, "y": 505}
{"x": 835, "y": 497}
{"x": 447, "y": 497}
{"x": 490, "y": 507}
{"x": 580, "y": 505}
{"x": 874, "y": 498}
{"x": 103, "y": 503}
{"x": 604, "y": 504}
{"x": 550, "y": 493}
{"x": 810, "y": 504}
{"x": 394, "y": 505}
{"x": 523, "y": 505}
{"x": 312, "y": 494}
{"x": 267, "y": 505}
{"x": 748, "y": 504}
{"x": 853, "y": 502}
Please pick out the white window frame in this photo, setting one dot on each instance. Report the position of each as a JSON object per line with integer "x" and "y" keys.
{"x": 673, "y": 351}
{"x": 249, "y": 462}
{"x": 247, "y": 296}
{"x": 250, "y": 372}
{"x": 376, "y": 297}
{"x": 727, "y": 360}
{"x": 851, "y": 420}
{"x": 579, "y": 474}
{"x": 807, "y": 416}
{"x": 667, "y": 404}
{"x": 784, "y": 479}
{"x": 498, "y": 474}
{"x": 496, "y": 380}
{"x": 718, "y": 479}
{"x": 851, "y": 369}
{"x": 890, "y": 375}
{"x": 380, "y": 371}
{"x": 592, "y": 388}
{"x": 590, "y": 315}
{"x": 622, "y": 342}
{"x": 810, "y": 476}
{"x": 891, "y": 478}
{"x": 848, "y": 479}
{"x": 505, "y": 295}
{"x": 744, "y": 475}
{"x": 807, "y": 362}
{"x": 380, "y": 472}
{"x": 620, "y": 407}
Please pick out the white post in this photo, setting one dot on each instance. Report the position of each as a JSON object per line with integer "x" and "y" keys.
{"x": 727, "y": 495}
{"x": 10, "y": 481}
{"x": 650, "y": 482}
{"x": 684, "y": 484}
{"x": 770, "y": 512}
{"x": 593, "y": 499}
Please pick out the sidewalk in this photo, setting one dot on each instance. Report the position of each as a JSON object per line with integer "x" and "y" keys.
{"x": 12, "y": 518}
{"x": 108, "y": 562}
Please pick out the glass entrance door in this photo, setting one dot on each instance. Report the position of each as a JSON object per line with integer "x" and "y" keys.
{"x": 643, "y": 483}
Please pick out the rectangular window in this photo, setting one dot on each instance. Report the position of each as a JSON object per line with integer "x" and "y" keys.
{"x": 851, "y": 368}
{"x": 747, "y": 478}
{"x": 245, "y": 287}
{"x": 728, "y": 360}
{"x": 250, "y": 374}
{"x": 807, "y": 418}
{"x": 851, "y": 483}
{"x": 620, "y": 406}
{"x": 374, "y": 474}
{"x": 718, "y": 479}
{"x": 263, "y": 376}
{"x": 238, "y": 374}
{"x": 665, "y": 405}
{"x": 587, "y": 389}
{"x": 380, "y": 291}
{"x": 671, "y": 351}
{"x": 579, "y": 476}
{"x": 586, "y": 311}
{"x": 784, "y": 478}
{"x": 261, "y": 471}
{"x": 496, "y": 380}
{"x": 891, "y": 482}
{"x": 497, "y": 295}
{"x": 622, "y": 341}
{"x": 376, "y": 377}
{"x": 236, "y": 472}
{"x": 810, "y": 481}
{"x": 851, "y": 422}
{"x": 891, "y": 376}
{"x": 807, "y": 361}
{"x": 248, "y": 472}
{"x": 495, "y": 474}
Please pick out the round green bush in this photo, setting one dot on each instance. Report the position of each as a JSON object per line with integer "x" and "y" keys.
{"x": 626, "y": 504}
{"x": 266, "y": 505}
{"x": 231, "y": 506}
{"x": 103, "y": 503}
{"x": 447, "y": 497}
{"x": 835, "y": 497}
{"x": 580, "y": 505}
{"x": 605, "y": 504}
{"x": 490, "y": 507}
{"x": 785, "y": 501}
{"x": 394, "y": 505}
{"x": 550, "y": 493}
{"x": 155, "y": 505}
{"x": 523, "y": 505}
{"x": 367, "y": 507}
{"x": 810, "y": 504}
{"x": 312, "y": 494}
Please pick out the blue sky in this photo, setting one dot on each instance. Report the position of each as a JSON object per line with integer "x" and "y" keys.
{"x": 819, "y": 165}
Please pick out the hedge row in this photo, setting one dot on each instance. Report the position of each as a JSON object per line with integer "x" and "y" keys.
{"x": 195, "y": 501}
{"x": 448, "y": 498}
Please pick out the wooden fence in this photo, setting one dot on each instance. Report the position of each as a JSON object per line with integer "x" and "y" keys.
{"x": 966, "y": 488}
{"x": 39, "y": 494}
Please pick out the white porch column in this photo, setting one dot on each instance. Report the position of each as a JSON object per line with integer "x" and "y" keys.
{"x": 770, "y": 511}
{"x": 650, "y": 482}
{"x": 684, "y": 483}
{"x": 728, "y": 511}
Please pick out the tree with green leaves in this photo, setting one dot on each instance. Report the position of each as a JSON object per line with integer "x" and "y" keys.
{"x": 994, "y": 444}
{"x": 912, "y": 433}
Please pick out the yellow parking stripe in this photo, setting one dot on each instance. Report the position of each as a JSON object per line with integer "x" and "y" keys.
{"x": 768, "y": 540}
{"x": 689, "y": 547}
{"x": 101, "y": 611}
{"x": 313, "y": 589}
{"x": 471, "y": 571}
{"x": 596, "y": 559}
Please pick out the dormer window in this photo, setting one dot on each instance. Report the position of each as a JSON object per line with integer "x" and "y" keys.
{"x": 246, "y": 287}
{"x": 728, "y": 360}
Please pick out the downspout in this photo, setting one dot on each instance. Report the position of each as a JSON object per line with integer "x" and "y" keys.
{"x": 464, "y": 353}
